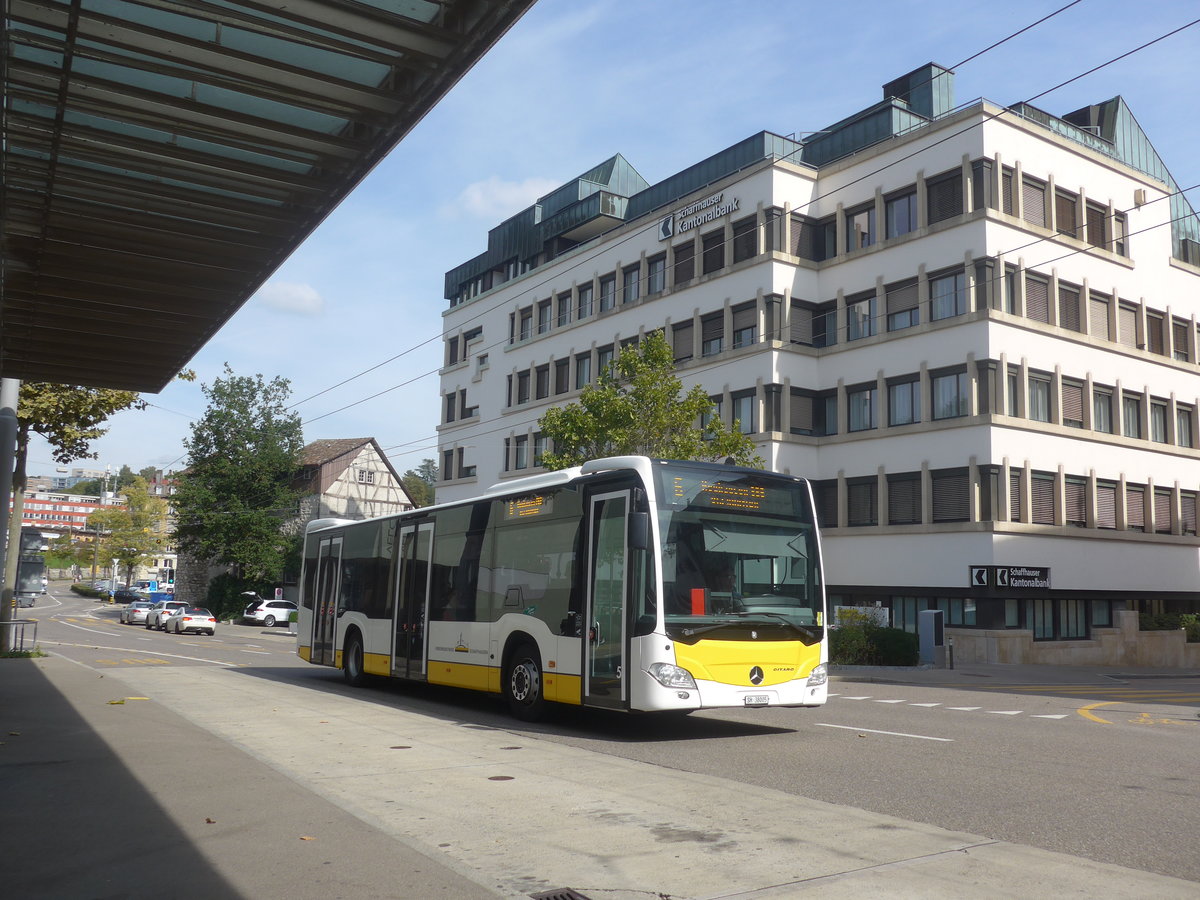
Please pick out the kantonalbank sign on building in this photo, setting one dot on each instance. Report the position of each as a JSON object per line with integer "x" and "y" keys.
{"x": 974, "y": 329}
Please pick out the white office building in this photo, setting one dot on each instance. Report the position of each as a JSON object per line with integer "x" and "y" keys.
{"x": 974, "y": 329}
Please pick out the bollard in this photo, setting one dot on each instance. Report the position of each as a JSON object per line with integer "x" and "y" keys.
{"x": 950, "y": 650}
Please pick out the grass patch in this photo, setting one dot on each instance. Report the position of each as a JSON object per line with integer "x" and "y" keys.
{"x": 35, "y": 653}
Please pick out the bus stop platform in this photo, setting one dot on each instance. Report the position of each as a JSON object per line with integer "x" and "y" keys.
{"x": 226, "y": 782}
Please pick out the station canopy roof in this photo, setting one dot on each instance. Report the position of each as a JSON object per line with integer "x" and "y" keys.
{"x": 162, "y": 158}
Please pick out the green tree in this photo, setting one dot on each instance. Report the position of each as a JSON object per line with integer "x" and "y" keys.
{"x": 235, "y": 494}
{"x": 635, "y": 408}
{"x": 134, "y": 533}
{"x": 420, "y": 482}
{"x": 124, "y": 478}
{"x": 92, "y": 487}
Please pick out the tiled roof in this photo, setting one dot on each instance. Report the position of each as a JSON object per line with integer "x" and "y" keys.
{"x": 319, "y": 452}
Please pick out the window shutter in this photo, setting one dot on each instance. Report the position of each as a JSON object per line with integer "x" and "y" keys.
{"x": 1098, "y": 318}
{"x": 1072, "y": 403}
{"x": 951, "y": 492}
{"x": 1135, "y": 507}
{"x": 901, "y": 297}
{"x": 685, "y": 263}
{"x": 801, "y": 324}
{"x": 1154, "y": 334}
{"x": 826, "y": 498}
{"x": 1068, "y": 308}
{"x": 745, "y": 238}
{"x": 1075, "y": 493}
{"x": 1033, "y": 197}
{"x": 1014, "y": 495}
{"x": 904, "y": 500}
{"x": 682, "y": 337}
{"x": 800, "y": 239}
{"x": 1179, "y": 339}
{"x": 861, "y": 504}
{"x": 1064, "y": 212}
{"x": 1041, "y": 495}
{"x": 1037, "y": 299}
{"x": 802, "y": 413}
{"x": 1127, "y": 326}
{"x": 745, "y": 317}
{"x": 1006, "y": 190}
{"x": 945, "y": 198}
{"x": 712, "y": 328}
{"x": 1162, "y": 511}
{"x": 1106, "y": 506}
{"x": 1097, "y": 226}
{"x": 1187, "y": 512}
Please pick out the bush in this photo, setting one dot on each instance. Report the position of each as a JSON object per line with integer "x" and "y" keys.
{"x": 858, "y": 641}
{"x": 86, "y": 590}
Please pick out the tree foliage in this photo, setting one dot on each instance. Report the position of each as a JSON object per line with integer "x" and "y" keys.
{"x": 236, "y": 493}
{"x": 635, "y": 408}
{"x": 135, "y": 533}
{"x": 420, "y": 482}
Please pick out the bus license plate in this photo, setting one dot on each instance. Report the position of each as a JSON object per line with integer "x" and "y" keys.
{"x": 757, "y": 700}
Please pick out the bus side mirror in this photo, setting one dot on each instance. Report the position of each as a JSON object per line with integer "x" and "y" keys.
{"x": 639, "y": 530}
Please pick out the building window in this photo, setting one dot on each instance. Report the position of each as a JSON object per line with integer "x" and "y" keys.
{"x": 539, "y": 447}
{"x": 945, "y": 196}
{"x": 950, "y": 395}
{"x": 860, "y": 317}
{"x": 584, "y": 304}
{"x": 608, "y": 292}
{"x": 656, "y": 274}
{"x": 1039, "y": 398}
{"x": 583, "y": 370}
{"x": 901, "y": 214}
{"x": 825, "y": 413}
{"x": 1158, "y": 422}
{"x": 521, "y": 452}
{"x": 947, "y": 296}
{"x": 1041, "y": 498}
{"x": 1106, "y": 504}
{"x": 448, "y": 463}
{"x": 1072, "y": 404}
{"x": 1066, "y": 205}
{"x": 902, "y": 307}
{"x": 743, "y": 412}
{"x": 1037, "y": 298}
{"x": 464, "y": 471}
{"x": 951, "y": 495}
{"x": 630, "y": 283}
{"x": 1102, "y": 410}
{"x": 1098, "y": 325}
{"x": 685, "y": 263}
{"x": 1033, "y": 200}
{"x": 541, "y": 387}
{"x": 1135, "y": 507}
{"x": 1075, "y": 501}
{"x": 526, "y": 331}
{"x": 366, "y": 476}
{"x": 713, "y": 415}
{"x": 1068, "y": 307}
{"x": 1183, "y": 426}
{"x": 451, "y": 351}
{"x": 904, "y": 499}
{"x": 745, "y": 239}
{"x": 451, "y": 406}
{"x": 745, "y": 324}
{"x": 713, "y": 248}
{"x": 802, "y": 411}
{"x": 1179, "y": 340}
{"x": 860, "y": 408}
{"x": 682, "y": 340}
{"x": 1131, "y": 415}
{"x": 860, "y": 227}
{"x": 904, "y": 403}
{"x": 522, "y": 387}
{"x": 1097, "y": 225}
{"x": 712, "y": 334}
{"x": 862, "y": 507}
{"x": 564, "y": 310}
{"x": 604, "y": 358}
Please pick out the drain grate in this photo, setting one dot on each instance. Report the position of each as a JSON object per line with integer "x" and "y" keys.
{"x": 560, "y": 894}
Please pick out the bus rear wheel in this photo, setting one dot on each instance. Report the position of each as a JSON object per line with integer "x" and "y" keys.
{"x": 352, "y": 662}
{"x": 523, "y": 683}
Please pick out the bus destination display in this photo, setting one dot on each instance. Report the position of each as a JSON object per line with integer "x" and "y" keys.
{"x": 527, "y": 507}
{"x": 744, "y": 495}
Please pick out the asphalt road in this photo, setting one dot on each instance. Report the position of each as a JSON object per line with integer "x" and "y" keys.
{"x": 1106, "y": 772}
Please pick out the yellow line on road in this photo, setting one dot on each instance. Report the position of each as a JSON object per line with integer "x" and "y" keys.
{"x": 1084, "y": 711}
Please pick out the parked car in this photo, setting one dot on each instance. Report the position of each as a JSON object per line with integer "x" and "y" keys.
{"x": 268, "y": 612}
{"x": 157, "y": 616}
{"x": 135, "y": 612}
{"x": 128, "y": 595}
{"x": 191, "y": 618}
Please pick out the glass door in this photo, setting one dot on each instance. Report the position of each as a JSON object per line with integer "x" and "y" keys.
{"x": 412, "y": 589}
{"x": 604, "y": 673}
{"x": 329, "y": 581}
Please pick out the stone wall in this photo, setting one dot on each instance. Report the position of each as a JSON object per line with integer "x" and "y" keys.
{"x": 1121, "y": 645}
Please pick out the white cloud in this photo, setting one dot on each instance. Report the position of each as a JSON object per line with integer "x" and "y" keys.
{"x": 494, "y": 199}
{"x": 289, "y": 297}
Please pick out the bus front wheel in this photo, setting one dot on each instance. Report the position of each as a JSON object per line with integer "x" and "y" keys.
{"x": 523, "y": 684}
{"x": 352, "y": 662}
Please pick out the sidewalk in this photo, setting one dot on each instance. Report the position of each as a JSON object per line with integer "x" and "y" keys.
{"x": 276, "y": 786}
{"x": 992, "y": 674}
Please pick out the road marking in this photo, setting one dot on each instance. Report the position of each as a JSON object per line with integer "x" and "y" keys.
{"x": 263, "y": 652}
{"x": 856, "y": 698}
{"x": 925, "y": 704}
{"x": 889, "y": 701}
{"x": 1085, "y": 711}
{"x": 922, "y": 737}
{"x": 1005, "y": 712}
{"x": 92, "y": 630}
{"x": 965, "y": 708}
{"x": 214, "y": 662}
{"x": 1060, "y": 716}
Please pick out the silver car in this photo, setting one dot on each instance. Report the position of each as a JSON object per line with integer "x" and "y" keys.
{"x": 135, "y": 612}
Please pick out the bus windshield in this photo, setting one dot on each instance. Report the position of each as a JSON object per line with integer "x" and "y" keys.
{"x": 738, "y": 549}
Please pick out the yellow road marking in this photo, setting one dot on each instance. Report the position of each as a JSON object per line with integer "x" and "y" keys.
{"x": 1084, "y": 711}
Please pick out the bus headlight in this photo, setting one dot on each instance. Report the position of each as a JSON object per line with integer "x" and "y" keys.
{"x": 818, "y": 676}
{"x": 671, "y": 676}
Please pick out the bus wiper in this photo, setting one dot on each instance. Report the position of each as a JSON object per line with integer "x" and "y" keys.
{"x": 784, "y": 620}
{"x": 692, "y": 632}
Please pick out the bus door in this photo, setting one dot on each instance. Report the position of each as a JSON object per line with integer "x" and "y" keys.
{"x": 412, "y": 589}
{"x": 329, "y": 582}
{"x": 604, "y": 655}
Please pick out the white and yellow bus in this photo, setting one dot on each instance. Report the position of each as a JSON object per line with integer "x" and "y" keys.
{"x": 628, "y": 583}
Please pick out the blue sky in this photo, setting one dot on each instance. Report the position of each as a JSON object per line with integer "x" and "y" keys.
{"x": 663, "y": 82}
